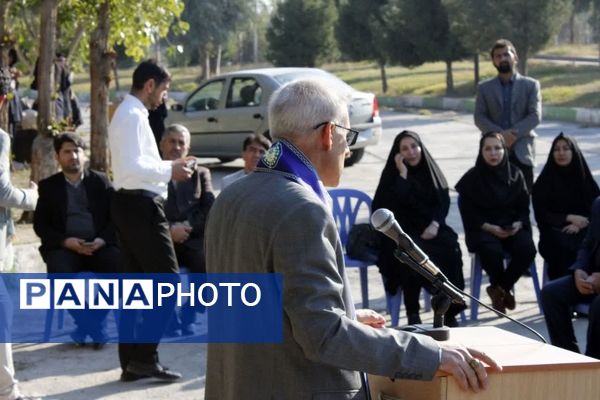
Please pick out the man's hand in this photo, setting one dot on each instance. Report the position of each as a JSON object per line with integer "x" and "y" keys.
{"x": 571, "y": 229}
{"x": 180, "y": 171}
{"x": 582, "y": 283}
{"x": 180, "y": 232}
{"x": 510, "y": 137}
{"x": 465, "y": 365}
{"x": 578, "y": 220}
{"x": 594, "y": 280}
{"x": 370, "y": 317}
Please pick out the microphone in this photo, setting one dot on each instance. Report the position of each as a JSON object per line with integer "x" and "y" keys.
{"x": 383, "y": 221}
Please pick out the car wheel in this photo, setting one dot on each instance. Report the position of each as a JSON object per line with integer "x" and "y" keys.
{"x": 226, "y": 159}
{"x": 355, "y": 156}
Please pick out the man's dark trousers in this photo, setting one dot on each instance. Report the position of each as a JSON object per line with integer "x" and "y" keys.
{"x": 146, "y": 247}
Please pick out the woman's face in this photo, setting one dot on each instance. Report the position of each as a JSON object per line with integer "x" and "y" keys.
{"x": 563, "y": 155}
{"x": 492, "y": 151}
{"x": 410, "y": 151}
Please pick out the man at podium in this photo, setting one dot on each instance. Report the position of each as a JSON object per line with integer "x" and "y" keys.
{"x": 278, "y": 219}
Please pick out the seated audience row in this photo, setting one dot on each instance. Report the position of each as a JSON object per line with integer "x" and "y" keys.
{"x": 494, "y": 206}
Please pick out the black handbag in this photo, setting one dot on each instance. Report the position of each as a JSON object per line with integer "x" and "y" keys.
{"x": 363, "y": 243}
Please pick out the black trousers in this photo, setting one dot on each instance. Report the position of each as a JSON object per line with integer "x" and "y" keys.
{"x": 491, "y": 251}
{"x": 146, "y": 247}
{"x": 558, "y": 296}
{"x": 104, "y": 260}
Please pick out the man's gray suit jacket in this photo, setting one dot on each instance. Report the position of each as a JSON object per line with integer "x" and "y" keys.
{"x": 525, "y": 112}
{"x": 266, "y": 223}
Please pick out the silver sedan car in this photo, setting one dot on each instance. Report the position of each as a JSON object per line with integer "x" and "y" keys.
{"x": 227, "y": 108}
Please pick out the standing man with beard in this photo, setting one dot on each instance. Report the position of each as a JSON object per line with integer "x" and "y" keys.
{"x": 510, "y": 104}
{"x": 140, "y": 181}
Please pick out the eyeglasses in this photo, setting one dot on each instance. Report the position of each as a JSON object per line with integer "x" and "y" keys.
{"x": 351, "y": 136}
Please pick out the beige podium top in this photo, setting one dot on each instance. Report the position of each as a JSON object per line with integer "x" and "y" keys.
{"x": 517, "y": 353}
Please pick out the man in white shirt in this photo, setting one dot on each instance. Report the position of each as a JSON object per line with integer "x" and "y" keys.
{"x": 255, "y": 146}
{"x": 140, "y": 181}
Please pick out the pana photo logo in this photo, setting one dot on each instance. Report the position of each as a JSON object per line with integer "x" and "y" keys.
{"x": 136, "y": 294}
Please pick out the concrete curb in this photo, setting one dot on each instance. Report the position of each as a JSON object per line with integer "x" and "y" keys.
{"x": 587, "y": 116}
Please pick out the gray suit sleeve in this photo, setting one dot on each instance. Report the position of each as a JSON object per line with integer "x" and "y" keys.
{"x": 533, "y": 117}
{"x": 481, "y": 115}
{"x": 305, "y": 244}
{"x": 14, "y": 197}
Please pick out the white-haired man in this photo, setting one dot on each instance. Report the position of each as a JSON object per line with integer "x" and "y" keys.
{"x": 284, "y": 225}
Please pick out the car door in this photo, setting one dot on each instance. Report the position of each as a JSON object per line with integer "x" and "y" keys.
{"x": 201, "y": 115}
{"x": 245, "y": 110}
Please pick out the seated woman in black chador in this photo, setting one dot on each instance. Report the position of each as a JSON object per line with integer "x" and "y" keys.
{"x": 413, "y": 187}
{"x": 562, "y": 201}
{"x": 494, "y": 206}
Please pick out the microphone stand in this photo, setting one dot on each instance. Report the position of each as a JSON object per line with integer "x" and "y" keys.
{"x": 445, "y": 293}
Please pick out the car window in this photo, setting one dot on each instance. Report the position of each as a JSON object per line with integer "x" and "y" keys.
{"x": 206, "y": 98}
{"x": 244, "y": 92}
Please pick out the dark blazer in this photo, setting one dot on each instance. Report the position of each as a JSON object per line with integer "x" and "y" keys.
{"x": 590, "y": 244}
{"x": 50, "y": 218}
{"x": 191, "y": 201}
{"x": 526, "y": 112}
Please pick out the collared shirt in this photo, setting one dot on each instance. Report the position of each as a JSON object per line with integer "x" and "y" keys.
{"x": 136, "y": 163}
{"x": 75, "y": 184}
{"x": 507, "y": 87}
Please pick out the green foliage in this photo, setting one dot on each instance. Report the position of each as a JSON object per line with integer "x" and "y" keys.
{"x": 211, "y": 23}
{"x": 361, "y": 30}
{"x": 419, "y": 31}
{"x": 534, "y": 22}
{"x": 302, "y": 33}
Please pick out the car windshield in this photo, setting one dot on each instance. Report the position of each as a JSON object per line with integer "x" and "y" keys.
{"x": 337, "y": 83}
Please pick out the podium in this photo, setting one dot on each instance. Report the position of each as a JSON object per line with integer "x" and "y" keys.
{"x": 531, "y": 370}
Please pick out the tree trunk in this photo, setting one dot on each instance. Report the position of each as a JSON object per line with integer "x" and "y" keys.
{"x": 522, "y": 65}
{"x": 206, "y": 55}
{"x": 476, "y": 70}
{"x": 384, "y": 83}
{"x": 204, "y": 62}
{"x": 254, "y": 43}
{"x": 75, "y": 42}
{"x": 449, "y": 79}
{"x": 100, "y": 68}
{"x": 218, "y": 60}
{"x": 572, "y": 26}
{"x": 5, "y": 45}
{"x": 42, "y": 162}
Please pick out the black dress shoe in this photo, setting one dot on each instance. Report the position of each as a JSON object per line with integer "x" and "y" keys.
{"x": 154, "y": 370}
{"x": 131, "y": 377}
{"x": 78, "y": 337}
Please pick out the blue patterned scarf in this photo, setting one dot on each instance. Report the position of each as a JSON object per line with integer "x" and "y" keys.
{"x": 285, "y": 159}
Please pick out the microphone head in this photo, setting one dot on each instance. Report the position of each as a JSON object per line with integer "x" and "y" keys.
{"x": 382, "y": 220}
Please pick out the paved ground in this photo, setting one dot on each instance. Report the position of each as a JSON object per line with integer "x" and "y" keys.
{"x": 61, "y": 371}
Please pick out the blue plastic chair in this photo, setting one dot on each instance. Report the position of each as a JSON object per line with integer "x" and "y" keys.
{"x": 476, "y": 277}
{"x": 347, "y": 204}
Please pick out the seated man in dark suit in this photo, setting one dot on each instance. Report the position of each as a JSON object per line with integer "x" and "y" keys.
{"x": 582, "y": 286}
{"x": 186, "y": 209}
{"x": 72, "y": 219}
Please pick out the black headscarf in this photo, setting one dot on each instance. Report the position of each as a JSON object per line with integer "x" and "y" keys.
{"x": 565, "y": 190}
{"x": 430, "y": 189}
{"x": 492, "y": 186}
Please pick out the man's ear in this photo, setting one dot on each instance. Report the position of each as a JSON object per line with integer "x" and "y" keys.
{"x": 326, "y": 136}
{"x": 149, "y": 86}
